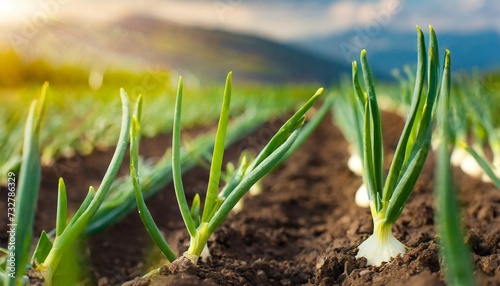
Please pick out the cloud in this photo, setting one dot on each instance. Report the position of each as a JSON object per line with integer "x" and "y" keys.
{"x": 282, "y": 20}
{"x": 446, "y": 15}
{"x": 455, "y": 15}
{"x": 347, "y": 14}
{"x": 471, "y": 5}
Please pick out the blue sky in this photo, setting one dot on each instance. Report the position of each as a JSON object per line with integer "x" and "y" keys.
{"x": 281, "y": 20}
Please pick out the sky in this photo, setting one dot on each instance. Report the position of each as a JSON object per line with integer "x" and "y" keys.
{"x": 279, "y": 20}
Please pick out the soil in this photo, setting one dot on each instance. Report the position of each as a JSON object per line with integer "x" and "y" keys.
{"x": 303, "y": 229}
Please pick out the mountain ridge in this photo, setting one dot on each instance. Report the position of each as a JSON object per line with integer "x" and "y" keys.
{"x": 389, "y": 49}
{"x": 138, "y": 41}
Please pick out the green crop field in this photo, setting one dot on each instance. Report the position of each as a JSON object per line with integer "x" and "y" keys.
{"x": 143, "y": 85}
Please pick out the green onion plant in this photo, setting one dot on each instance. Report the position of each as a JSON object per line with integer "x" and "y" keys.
{"x": 21, "y": 223}
{"x": 48, "y": 254}
{"x": 456, "y": 255}
{"x": 154, "y": 176}
{"x": 476, "y": 131}
{"x": 388, "y": 197}
{"x": 348, "y": 117}
{"x": 202, "y": 222}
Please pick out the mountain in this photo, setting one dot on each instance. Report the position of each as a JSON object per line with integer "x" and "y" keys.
{"x": 137, "y": 41}
{"x": 387, "y": 50}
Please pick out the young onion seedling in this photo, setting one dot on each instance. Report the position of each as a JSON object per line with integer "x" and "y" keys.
{"x": 48, "y": 255}
{"x": 199, "y": 223}
{"x": 348, "y": 117}
{"x": 482, "y": 132}
{"x": 388, "y": 198}
{"x": 21, "y": 220}
{"x": 457, "y": 258}
{"x": 121, "y": 197}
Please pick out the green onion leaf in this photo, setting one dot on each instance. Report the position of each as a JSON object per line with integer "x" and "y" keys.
{"x": 216, "y": 165}
{"x": 146, "y": 217}
{"x": 308, "y": 129}
{"x": 62, "y": 205}
{"x": 195, "y": 210}
{"x": 457, "y": 258}
{"x": 285, "y": 131}
{"x": 42, "y": 248}
{"x": 176, "y": 164}
{"x": 28, "y": 185}
{"x": 485, "y": 165}
{"x": 403, "y": 144}
{"x": 375, "y": 126}
{"x": 85, "y": 204}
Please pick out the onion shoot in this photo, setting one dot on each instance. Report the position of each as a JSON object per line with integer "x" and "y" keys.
{"x": 201, "y": 223}
{"x": 388, "y": 197}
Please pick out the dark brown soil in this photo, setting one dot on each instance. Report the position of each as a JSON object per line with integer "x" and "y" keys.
{"x": 303, "y": 229}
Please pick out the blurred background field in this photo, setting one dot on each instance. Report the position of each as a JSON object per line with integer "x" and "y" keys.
{"x": 81, "y": 117}
{"x": 280, "y": 53}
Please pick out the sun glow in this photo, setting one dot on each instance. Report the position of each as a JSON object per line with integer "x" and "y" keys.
{"x": 12, "y": 11}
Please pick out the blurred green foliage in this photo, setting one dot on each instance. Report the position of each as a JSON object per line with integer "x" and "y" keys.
{"x": 82, "y": 105}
